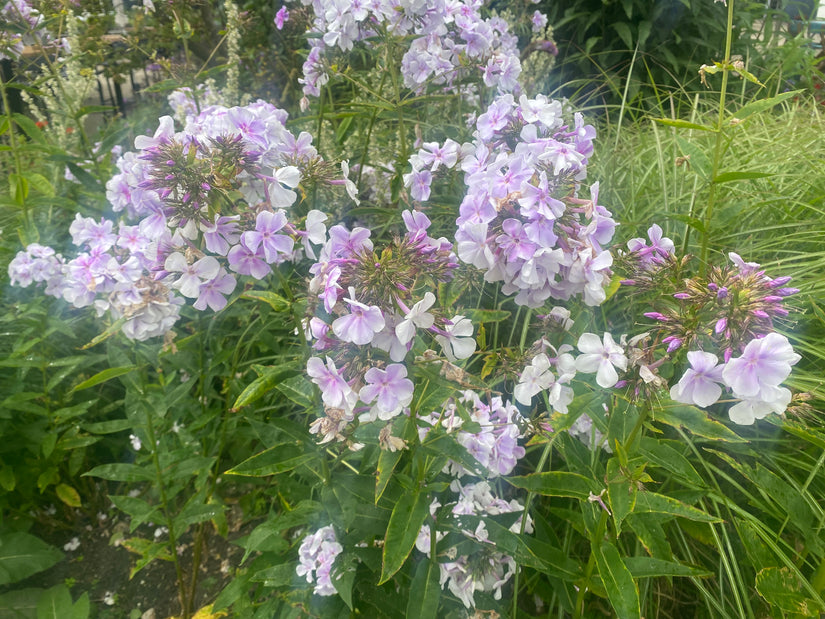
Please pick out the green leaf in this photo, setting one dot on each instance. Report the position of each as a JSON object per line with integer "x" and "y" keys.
{"x": 650, "y": 502}
{"x": 782, "y": 589}
{"x": 402, "y": 530}
{"x": 270, "y": 376}
{"x": 109, "y": 332}
{"x": 40, "y": 184}
{"x": 387, "y": 461}
{"x": 7, "y": 479}
{"x": 120, "y": 472}
{"x": 103, "y": 376}
{"x": 425, "y": 592}
{"x": 698, "y": 422}
{"x": 662, "y": 454}
{"x": 108, "y": 427}
{"x": 276, "y": 301}
{"x": 297, "y": 389}
{"x": 556, "y": 483}
{"x": 18, "y": 188}
{"x": 56, "y": 603}
{"x": 139, "y": 511}
{"x": 478, "y": 315}
{"x": 648, "y": 567}
{"x": 727, "y": 177}
{"x": 29, "y": 127}
{"x": 624, "y": 33}
{"x": 621, "y": 492}
{"x": 20, "y": 604}
{"x": 618, "y": 581}
{"x": 273, "y": 461}
{"x": 68, "y": 495}
{"x": 754, "y": 107}
{"x": 22, "y": 555}
{"x": 682, "y": 124}
{"x": 343, "y": 576}
{"x": 277, "y": 576}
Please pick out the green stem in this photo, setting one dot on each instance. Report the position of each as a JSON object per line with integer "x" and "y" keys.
{"x": 18, "y": 166}
{"x": 545, "y": 455}
{"x": 591, "y": 563}
{"x": 170, "y": 523}
{"x": 719, "y": 145}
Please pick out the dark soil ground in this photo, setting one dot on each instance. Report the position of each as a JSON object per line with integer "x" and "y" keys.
{"x": 100, "y": 566}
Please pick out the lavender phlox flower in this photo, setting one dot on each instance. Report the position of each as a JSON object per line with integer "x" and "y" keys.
{"x": 220, "y": 234}
{"x": 316, "y": 557}
{"x": 660, "y": 246}
{"x": 390, "y": 389}
{"x": 192, "y": 275}
{"x": 361, "y": 324}
{"x": 586, "y": 431}
{"x": 388, "y": 341}
{"x": 434, "y": 155}
{"x": 212, "y": 292}
{"x": 275, "y": 246}
{"x": 456, "y": 339}
{"x": 602, "y": 357}
{"x": 416, "y": 317}
{"x": 745, "y": 268}
{"x": 419, "y": 182}
{"x": 335, "y": 391}
{"x": 316, "y": 231}
{"x": 700, "y": 383}
{"x": 164, "y": 133}
{"x": 246, "y": 261}
{"x": 539, "y": 21}
{"x": 535, "y": 378}
{"x": 765, "y": 362}
{"x": 281, "y": 17}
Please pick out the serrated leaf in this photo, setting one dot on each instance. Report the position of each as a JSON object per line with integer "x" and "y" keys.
{"x": 22, "y": 555}
{"x": 618, "y": 581}
{"x": 698, "y": 422}
{"x": 651, "y": 502}
{"x": 402, "y": 530}
{"x": 273, "y": 461}
{"x": 103, "y": 376}
{"x": 425, "y": 592}
{"x": 68, "y": 495}
{"x": 555, "y": 483}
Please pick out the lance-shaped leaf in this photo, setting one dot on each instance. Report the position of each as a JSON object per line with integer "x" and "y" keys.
{"x": 405, "y": 523}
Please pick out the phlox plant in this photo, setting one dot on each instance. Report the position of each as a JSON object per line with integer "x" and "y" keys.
{"x": 392, "y": 345}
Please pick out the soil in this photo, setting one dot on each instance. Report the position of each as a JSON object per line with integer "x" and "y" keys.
{"x": 100, "y": 566}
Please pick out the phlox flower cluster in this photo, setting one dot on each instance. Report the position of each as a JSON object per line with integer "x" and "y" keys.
{"x": 368, "y": 306}
{"x": 449, "y": 41}
{"x": 538, "y": 377}
{"x": 487, "y": 569}
{"x": 186, "y": 104}
{"x": 207, "y": 204}
{"x": 520, "y": 221}
{"x": 731, "y": 311}
{"x": 754, "y": 378}
{"x": 316, "y": 557}
{"x": 494, "y": 445}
